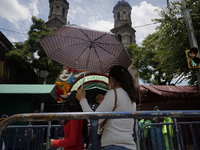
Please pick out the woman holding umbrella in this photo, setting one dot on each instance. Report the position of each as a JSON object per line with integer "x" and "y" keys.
{"x": 117, "y": 133}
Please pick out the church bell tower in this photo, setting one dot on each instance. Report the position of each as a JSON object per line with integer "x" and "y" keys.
{"x": 122, "y": 23}
{"x": 58, "y": 10}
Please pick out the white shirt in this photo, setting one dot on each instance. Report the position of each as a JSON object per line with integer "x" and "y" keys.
{"x": 3, "y": 146}
{"x": 116, "y": 131}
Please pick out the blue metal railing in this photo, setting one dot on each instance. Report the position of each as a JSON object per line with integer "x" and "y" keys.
{"x": 93, "y": 117}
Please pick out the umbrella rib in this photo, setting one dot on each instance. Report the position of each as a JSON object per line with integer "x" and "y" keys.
{"x": 98, "y": 58}
{"x": 85, "y": 35}
{"x": 94, "y": 39}
{"x": 76, "y": 43}
{"x": 100, "y": 36}
{"x": 70, "y": 45}
{"x": 81, "y": 54}
{"x": 106, "y": 50}
{"x": 66, "y": 46}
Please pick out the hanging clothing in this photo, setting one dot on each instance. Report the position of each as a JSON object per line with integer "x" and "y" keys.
{"x": 164, "y": 130}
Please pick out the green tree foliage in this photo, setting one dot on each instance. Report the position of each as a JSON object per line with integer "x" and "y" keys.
{"x": 147, "y": 67}
{"x": 162, "y": 55}
{"x": 21, "y": 70}
{"x": 31, "y": 55}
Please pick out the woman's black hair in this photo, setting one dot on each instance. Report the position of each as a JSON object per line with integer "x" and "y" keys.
{"x": 124, "y": 78}
{"x": 72, "y": 105}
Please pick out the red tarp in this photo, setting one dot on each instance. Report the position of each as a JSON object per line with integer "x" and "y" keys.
{"x": 168, "y": 97}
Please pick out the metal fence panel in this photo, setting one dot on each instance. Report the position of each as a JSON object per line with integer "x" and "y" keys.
{"x": 36, "y": 137}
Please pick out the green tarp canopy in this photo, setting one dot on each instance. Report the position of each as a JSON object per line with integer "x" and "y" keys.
{"x": 40, "y": 92}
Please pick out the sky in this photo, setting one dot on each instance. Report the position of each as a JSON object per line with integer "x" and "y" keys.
{"x": 15, "y": 15}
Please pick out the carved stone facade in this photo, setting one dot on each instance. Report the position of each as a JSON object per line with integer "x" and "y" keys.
{"x": 58, "y": 10}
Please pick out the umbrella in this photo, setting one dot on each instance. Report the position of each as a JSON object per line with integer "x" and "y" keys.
{"x": 85, "y": 49}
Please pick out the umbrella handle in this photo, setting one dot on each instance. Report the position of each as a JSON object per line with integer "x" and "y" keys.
{"x": 86, "y": 67}
{"x": 83, "y": 79}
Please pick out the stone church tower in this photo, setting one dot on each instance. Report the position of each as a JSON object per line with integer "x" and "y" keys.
{"x": 123, "y": 28}
{"x": 122, "y": 23}
{"x": 58, "y": 10}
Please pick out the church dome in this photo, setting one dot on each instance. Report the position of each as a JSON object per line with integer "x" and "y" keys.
{"x": 122, "y": 3}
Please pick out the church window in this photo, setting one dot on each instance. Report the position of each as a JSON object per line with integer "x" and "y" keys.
{"x": 58, "y": 10}
{"x": 120, "y": 37}
{"x": 124, "y": 15}
{"x": 63, "y": 12}
{"x": 118, "y": 16}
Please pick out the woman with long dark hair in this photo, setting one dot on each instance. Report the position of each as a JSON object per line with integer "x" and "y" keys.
{"x": 117, "y": 133}
{"x": 74, "y": 130}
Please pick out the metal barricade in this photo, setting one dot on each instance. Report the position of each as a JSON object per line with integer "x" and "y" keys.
{"x": 93, "y": 117}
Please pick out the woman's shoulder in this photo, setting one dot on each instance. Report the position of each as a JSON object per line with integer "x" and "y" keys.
{"x": 110, "y": 92}
{"x": 117, "y": 90}
{"x": 121, "y": 91}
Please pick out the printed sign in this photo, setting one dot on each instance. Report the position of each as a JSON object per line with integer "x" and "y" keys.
{"x": 89, "y": 78}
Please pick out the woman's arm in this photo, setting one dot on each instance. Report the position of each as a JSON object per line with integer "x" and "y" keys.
{"x": 106, "y": 105}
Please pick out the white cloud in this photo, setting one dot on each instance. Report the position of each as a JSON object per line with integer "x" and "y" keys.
{"x": 19, "y": 15}
{"x": 77, "y": 9}
{"x": 79, "y": 1}
{"x": 100, "y": 25}
{"x": 13, "y": 11}
{"x": 141, "y": 15}
{"x": 74, "y": 12}
{"x": 33, "y": 7}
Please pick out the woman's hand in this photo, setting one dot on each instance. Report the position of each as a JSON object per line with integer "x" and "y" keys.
{"x": 81, "y": 94}
{"x": 99, "y": 98}
{"x": 51, "y": 143}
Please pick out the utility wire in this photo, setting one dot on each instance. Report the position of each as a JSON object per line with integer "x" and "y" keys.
{"x": 13, "y": 31}
{"x": 145, "y": 25}
{"x": 27, "y": 34}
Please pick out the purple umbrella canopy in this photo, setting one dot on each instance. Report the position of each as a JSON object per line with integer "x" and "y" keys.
{"x": 85, "y": 49}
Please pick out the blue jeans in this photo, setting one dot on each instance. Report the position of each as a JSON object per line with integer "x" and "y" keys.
{"x": 114, "y": 147}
